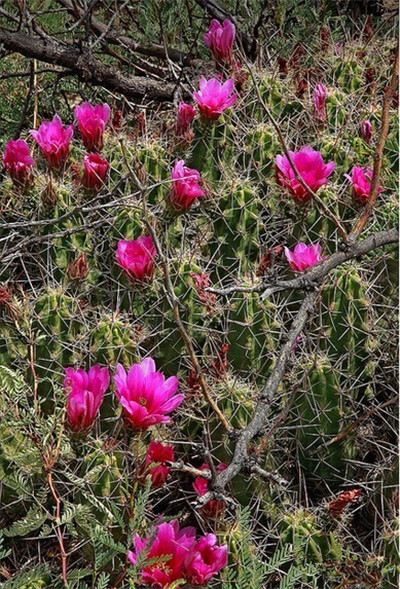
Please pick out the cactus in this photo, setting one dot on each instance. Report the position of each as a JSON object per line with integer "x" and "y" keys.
{"x": 56, "y": 325}
{"x": 348, "y": 338}
{"x": 114, "y": 339}
{"x": 317, "y": 410}
{"x": 236, "y": 399}
{"x": 102, "y": 471}
{"x": 301, "y": 529}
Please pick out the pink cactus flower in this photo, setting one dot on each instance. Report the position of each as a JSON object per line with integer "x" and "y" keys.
{"x": 205, "y": 560}
{"x": 311, "y": 168}
{"x": 215, "y": 507}
{"x": 94, "y": 171}
{"x": 158, "y": 453}
{"x": 219, "y": 40}
{"x": 361, "y": 180}
{"x": 136, "y": 257}
{"x": 54, "y": 139}
{"x": 185, "y": 186}
{"x": 18, "y": 161}
{"x": 145, "y": 395}
{"x": 186, "y": 114}
{"x": 167, "y": 540}
{"x": 319, "y": 96}
{"x": 213, "y": 98}
{"x": 303, "y": 256}
{"x": 85, "y": 395}
{"x": 367, "y": 131}
{"x": 92, "y": 121}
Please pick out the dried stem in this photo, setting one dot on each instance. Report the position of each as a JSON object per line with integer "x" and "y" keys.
{"x": 174, "y": 302}
{"x": 325, "y": 209}
{"x": 240, "y": 458}
{"x": 316, "y": 273}
{"x": 49, "y": 478}
{"x": 389, "y": 92}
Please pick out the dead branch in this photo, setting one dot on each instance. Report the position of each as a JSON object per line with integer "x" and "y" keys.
{"x": 389, "y": 92}
{"x": 111, "y": 36}
{"x": 313, "y": 275}
{"x": 241, "y": 460}
{"x": 88, "y": 68}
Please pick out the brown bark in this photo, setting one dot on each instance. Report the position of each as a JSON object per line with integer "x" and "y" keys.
{"x": 87, "y": 68}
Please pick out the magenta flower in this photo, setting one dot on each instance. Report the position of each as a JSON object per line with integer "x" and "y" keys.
{"x": 303, "y": 256}
{"x": 213, "y": 98}
{"x": 182, "y": 557}
{"x": 219, "y": 40}
{"x": 92, "y": 121}
{"x": 18, "y": 161}
{"x": 157, "y": 455}
{"x": 167, "y": 540}
{"x": 366, "y": 131}
{"x": 361, "y": 180}
{"x": 205, "y": 560}
{"x": 54, "y": 139}
{"x": 94, "y": 171}
{"x": 136, "y": 257}
{"x": 319, "y": 96}
{"x": 185, "y": 186}
{"x": 145, "y": 395}
{"x": 186, "y": 114}
{"x": 311, "y": 168}
{"x": 85, "y": 395}
{"x": 215, "y": 507}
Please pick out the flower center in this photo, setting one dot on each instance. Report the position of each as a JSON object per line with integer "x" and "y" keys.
{"x": 142, "y": 401}
{"x": 163, "y": 567}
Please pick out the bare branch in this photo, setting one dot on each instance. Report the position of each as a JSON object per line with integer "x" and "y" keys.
{"x": 240, "y": 457}
{"x": 111, "y": 36}
{"x": 325, "y": 209}
{"x": 315, "y": 274}
{"x": 89, "y": 69}
{"x": 241, "y": 461}
{"x": 389, "y": 92}
{"x": 173, "y": 301}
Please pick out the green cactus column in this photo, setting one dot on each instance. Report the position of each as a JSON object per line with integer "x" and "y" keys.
{"x": 317, "y": 410}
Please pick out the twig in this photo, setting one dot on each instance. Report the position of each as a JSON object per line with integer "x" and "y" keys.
{"x": 113, "y": 37}
{"x": 49, "y": 478}
{"x": 325, "y": 209}
{"x": 316, "y": 273}
{"x": 356, "y": 423}
{"x": 174, "y": 302}
{"x": 240, "y": 457}
{"x": 196, "y": 472}
{"x": 270, "y": 477}
{"x": 389, "y": 91}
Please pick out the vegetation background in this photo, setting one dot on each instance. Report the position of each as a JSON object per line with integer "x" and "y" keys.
{"x": 331, "y": 425}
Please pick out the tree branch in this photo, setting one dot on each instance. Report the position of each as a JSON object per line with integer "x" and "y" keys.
{"x": 111, "y": 36}
{"x": 241, "y": 460}
{"x": 315, "y": 274}
{"x": 240, "y": 457}
{"x": 88, "y": 68}
{"x": 389, "y": 92}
